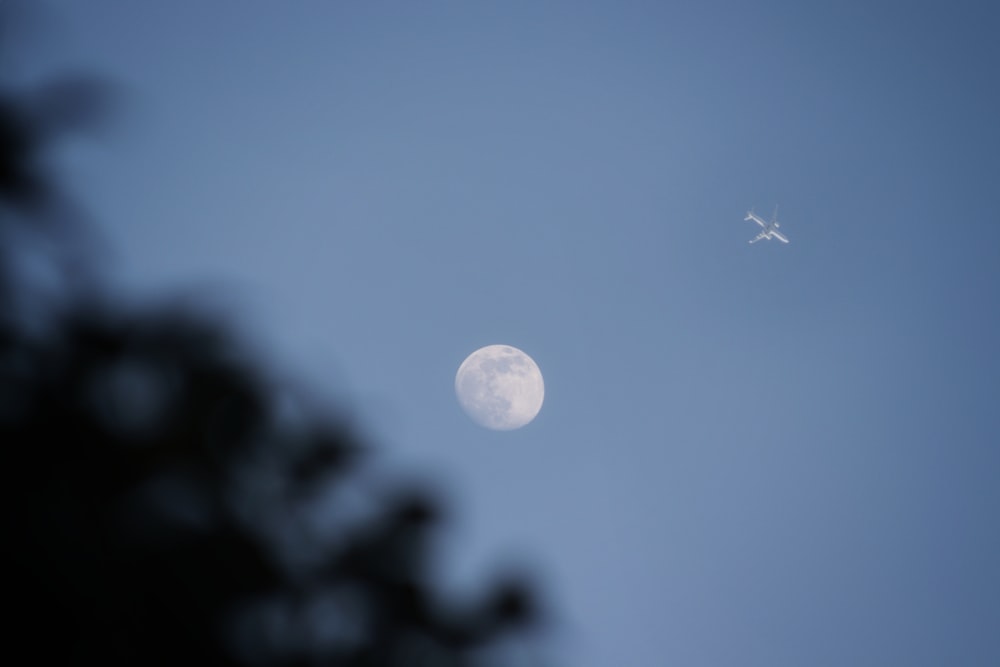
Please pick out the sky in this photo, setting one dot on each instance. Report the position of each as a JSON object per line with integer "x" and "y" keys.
{"x": 748, "y": 455}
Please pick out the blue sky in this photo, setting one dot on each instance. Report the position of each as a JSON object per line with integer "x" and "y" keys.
{"x": 748, "y": 455}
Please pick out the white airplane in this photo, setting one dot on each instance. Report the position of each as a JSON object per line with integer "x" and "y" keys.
{"x": 770, "y": 229}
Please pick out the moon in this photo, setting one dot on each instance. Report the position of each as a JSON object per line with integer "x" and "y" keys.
{"x": 500, "y": 387}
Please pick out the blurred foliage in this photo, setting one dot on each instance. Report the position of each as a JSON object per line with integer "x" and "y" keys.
{"x": 163, "y": 500}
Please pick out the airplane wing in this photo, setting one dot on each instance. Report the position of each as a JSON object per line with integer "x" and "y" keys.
{"x": 762, "y": 235}
{"x": 753, "y": 216}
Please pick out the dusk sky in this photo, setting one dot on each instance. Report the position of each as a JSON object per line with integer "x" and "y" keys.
{"x": 748, "y": 455}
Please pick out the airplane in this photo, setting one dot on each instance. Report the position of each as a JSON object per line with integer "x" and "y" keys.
{"x": 770, "y": 229}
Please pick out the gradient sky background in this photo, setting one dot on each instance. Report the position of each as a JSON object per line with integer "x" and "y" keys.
{"x": 748, "y": 455}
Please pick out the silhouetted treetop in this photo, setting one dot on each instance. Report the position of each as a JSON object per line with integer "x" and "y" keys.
{"x": 159, "y": 507}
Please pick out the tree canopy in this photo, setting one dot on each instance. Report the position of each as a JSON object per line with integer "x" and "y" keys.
{"x": 164, "y": 500}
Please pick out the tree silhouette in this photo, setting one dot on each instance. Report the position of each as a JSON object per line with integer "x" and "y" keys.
{"x": 165, "y": 501}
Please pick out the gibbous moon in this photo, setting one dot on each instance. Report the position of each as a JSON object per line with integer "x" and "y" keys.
{"x": 500, "y": 387}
